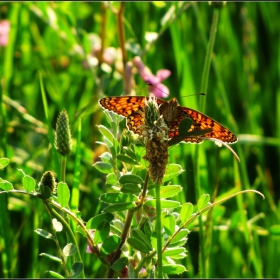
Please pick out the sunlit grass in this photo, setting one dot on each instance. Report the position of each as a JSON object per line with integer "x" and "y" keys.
{"x": 52, "y": 40}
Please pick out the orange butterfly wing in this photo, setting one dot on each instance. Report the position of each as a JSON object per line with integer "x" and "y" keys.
{"x": 132, "y": 107}
{"x": 200, "y": 122}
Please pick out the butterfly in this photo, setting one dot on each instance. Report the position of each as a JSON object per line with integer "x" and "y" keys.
{"x": 133, "y": 108}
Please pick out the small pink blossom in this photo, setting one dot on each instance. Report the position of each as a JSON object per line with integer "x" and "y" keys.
{"x": 4, "y": 32}
{"x": 89, "y": 250}
{"x": 155, "y": 87}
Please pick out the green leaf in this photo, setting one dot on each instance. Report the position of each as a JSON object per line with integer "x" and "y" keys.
{"x": 173, "y": 268}
{"x": 169, "y": 224}
{"x": 140, "y": 235}
{"x": 76, "y": 269}
{"x": 179, "y": 256}
{"x": 54, "y": 274}
{"x": 114, "y": 198}
{"x": 186, "y": 212}
{"x": 120, "y": 264}
{"x": 147, "y": 230}
{"x": 198, "y": 132}
{"x": 70, "y": 249}
{"x": 116, "y": 146}
{"x": 130, "y": 188}
{"x": 203, "y": 201}
{"x": 119, "y": 207}
{"x": 130, "y": 153}
{"x": 127, "y": 159}
{"x": 106, "y": 157}
{"x": 166, "y": 191}
{"x": 184, "y": 126}
{"x": 63, "y": 194}
{"x": 45, "y": 191}
{"x": 174, "y": 251}
{"x": 138, "y": 245}
{"x": 275, "y": 230}
{"x": 108, "y": 143}
{"x": 179, "y": 243}
{"x": 108, "y": 116}
{"x": 111, "y": 179}
{"x": 103, "y": 167}
{"x": 44, "y": 233}
{"x": 164, "y": 203}
{"x": 57, "y": 225}
{"x": 110, "y": 244}
{"x": 130, "y": 178}
{"x": 28, "y": 183}
{"x": 106, "y": 132}
{"x": 94, "y": 222}
{"x": 102, "y": 232}
{"x": 4, "y": 162}
{"x": 80, "y": 230}
{"x": 5, "y": 185}
{"x": 181, "y": 235}
{"x": 51, "y": 257}
{"x": 172, "y": 170}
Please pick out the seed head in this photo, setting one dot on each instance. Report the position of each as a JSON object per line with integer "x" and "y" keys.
{"x": 156, "y": 141}
{"x": 63, "y": 141}
{"x": 47, "y": 185}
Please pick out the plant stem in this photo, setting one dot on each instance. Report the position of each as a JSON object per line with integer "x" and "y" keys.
{"x": 124, "y": 234}
{"x": 126, "y": 227}
{"x": 145, "y": 188}
{"x": 63, "y": 263}
{"x": 204, "y": 85}
{"x": 102, "y": 31}
{"x": 121, "y": 34}
{"x": 142, "y": 263}
{"x": 158, "y": 230}
{"x": 63, "y": 168}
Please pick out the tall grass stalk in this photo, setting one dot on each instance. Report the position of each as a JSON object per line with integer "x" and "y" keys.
{"x": 159, "y": 232}
{"x": 204, "y": 85}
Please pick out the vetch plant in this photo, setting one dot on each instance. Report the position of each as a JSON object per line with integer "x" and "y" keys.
{"x": 142, "y": 232}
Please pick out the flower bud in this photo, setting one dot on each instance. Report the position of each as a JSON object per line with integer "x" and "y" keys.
{"x": 63, "y": 141}
{"x": 47, "y": 185}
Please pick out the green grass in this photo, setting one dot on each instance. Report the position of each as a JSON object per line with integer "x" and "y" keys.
{"x": 53, "y": 41}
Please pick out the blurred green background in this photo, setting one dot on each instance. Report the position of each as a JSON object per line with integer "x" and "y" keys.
{"x": 62, "y": 42}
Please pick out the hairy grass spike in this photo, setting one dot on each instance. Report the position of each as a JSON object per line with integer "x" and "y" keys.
{"x": 63, "y": 141}
{"x": 156, "y": 141}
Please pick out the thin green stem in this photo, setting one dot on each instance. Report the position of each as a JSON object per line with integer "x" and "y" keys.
{"x": 142, "y": 263}
{"x": 208, "y": 58}
{"x": 182, "y": 9}
{"x": 124, "y": 234}
{"x": 63, "y": 168}
{"x": 209, "y": 206}
{"x": 50, "y": 212}
{"x": 127, "y": 225}
{"x": 204, "y": 85}
{"x": 69, "y": 233}
{"x": 50, "y": 134}
{"x": 158, "y": 230}
{"x": 145, "y": 187}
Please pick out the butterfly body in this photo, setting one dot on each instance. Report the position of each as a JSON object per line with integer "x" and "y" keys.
{"x": 133, "y": 108}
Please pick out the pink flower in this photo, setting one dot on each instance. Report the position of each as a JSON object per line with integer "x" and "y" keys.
{"x": 155, "y": 87}
{"x": 4, "y": 32}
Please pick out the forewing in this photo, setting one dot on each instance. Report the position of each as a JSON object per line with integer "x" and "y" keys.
{"x": 131, "y": 107}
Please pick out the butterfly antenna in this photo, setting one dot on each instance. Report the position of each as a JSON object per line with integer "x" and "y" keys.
{"x": 202, "y": 93}
{"x": 149, "y": 84}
